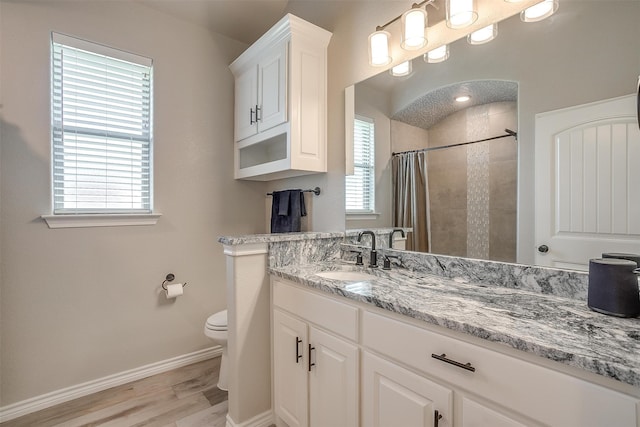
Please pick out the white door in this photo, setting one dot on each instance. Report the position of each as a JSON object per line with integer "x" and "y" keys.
{"x": 393, "y": 396}
{"x": 333, "y": 381}
{"x": 272, "y": 89}
{"x": 587, "y": 182}
{"x": 246, "y": 97}
{"x": 290, "y": 369}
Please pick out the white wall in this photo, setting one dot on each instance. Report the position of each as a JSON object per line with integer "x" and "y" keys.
{"x": 81, "y": 304}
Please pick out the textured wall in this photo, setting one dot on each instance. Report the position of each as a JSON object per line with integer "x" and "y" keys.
{"x": 80, "y": 304}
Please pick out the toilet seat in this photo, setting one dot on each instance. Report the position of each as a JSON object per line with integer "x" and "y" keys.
{"x": 217, "y": 321}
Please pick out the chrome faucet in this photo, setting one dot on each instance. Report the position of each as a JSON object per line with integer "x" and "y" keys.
{"x": 373, "y": 261}
{"x": 391, "y": 236}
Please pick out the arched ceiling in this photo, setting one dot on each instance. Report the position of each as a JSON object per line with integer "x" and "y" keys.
{"x": 434, "y": 106}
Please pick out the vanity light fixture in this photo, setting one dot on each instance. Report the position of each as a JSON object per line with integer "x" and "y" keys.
{"x": 483, "y": 35}
{"x": 460, "y": 13}
{"x": 379, "y": 48}
{"x": 439, "y": 54}
{"x": 463, "y": 98}
{"x": 414, "y": 27}
{"x": 400, "y": 70}
{"x": 539, "y": 11}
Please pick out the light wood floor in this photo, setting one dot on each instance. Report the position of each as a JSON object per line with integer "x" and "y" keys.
{"x": 184, "y": 397}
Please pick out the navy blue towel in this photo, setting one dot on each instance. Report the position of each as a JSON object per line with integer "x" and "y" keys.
{"x": 287, "y": 209}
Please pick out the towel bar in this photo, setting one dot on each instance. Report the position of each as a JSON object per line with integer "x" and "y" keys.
{"x": 315, "y": 191}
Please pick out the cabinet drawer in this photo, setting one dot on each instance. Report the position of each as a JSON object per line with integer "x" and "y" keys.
{"x": 551, "y": 397}
{"x": 332, "y": 315}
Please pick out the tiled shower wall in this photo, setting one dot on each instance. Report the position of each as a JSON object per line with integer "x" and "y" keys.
{"x": 473, "y": 188}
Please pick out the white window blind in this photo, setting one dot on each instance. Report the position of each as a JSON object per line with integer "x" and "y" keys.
{"x": 101, "y": 129}
{"x": 360, "y": 187}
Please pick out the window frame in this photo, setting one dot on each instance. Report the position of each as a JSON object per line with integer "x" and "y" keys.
{"x": 370, "y": 211}
{"x": 63, "y": 217}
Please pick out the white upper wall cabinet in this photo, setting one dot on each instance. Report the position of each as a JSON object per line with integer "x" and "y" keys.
{"x": 261, "y": 94}
{"x": 281, "y": 103}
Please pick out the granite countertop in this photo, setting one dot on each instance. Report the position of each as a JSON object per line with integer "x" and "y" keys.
{"x": 557, "y": 328}
{"x": 297, "y": 236}
{"x": 278, "y": 237}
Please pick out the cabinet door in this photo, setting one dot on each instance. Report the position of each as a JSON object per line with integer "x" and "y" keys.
{"x": 333, "y": 381}
{"x": 246, "y": 94}
{"x": 477, "y": 415}
{"x": 272, "y": 91}
{"x": 393, "y": 396}
{"x": 290, "y": 369}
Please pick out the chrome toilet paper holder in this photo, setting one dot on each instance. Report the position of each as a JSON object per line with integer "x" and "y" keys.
{"x": 170, "y": 278}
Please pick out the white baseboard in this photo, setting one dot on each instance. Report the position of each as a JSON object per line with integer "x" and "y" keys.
{"x": 261, "y": 420}
{"x": 47, "y": 400}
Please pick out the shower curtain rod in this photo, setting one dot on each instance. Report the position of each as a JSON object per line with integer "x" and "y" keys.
{"x": 509, "y": 132}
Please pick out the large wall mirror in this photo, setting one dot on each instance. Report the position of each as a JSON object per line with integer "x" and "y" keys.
{"x": 480, "y": 197}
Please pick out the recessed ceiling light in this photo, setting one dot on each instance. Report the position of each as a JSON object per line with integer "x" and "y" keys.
{"x": 462, "y": 98}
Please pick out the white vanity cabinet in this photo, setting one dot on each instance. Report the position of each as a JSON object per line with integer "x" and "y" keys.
{"x": 417, "y": 374}
{"x": 315, "y": 371}
{"x": 493, "y": 388}
{"x": 393, "y": 396}
{"x": 281, "y": 102}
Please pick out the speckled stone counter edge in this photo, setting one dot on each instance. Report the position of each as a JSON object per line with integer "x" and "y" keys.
{"x": 309, "y": 248}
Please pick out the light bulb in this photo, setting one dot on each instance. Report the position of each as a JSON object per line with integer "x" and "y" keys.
{"x": 439, "y": 54}
{"x": 403, "y": 69}
{"x": 460, "y": 13}
{"x": 379, "y": 48}
{"x": 539, "y": 11}
{"x": 414, "y": 23}
{"x": 483, "y": 35}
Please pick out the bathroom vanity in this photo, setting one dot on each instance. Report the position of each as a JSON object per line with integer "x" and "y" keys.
{"x": 435, "y": 341}
{"x": 400, "y": 348}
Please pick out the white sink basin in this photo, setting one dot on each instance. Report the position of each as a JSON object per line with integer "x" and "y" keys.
{"x": 347, "y": 276}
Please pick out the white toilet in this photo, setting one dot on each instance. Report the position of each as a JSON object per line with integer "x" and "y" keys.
{"x": 216, "y": 329}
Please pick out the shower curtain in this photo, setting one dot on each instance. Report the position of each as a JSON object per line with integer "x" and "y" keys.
{"x": 411, "y": 198}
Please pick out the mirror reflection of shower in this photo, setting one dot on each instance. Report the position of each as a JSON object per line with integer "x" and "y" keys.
{"x": 459, "y": 196}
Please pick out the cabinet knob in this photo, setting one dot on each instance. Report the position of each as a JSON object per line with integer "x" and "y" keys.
{"x": 251, "y": 113}
{"x": 258, "y": 117}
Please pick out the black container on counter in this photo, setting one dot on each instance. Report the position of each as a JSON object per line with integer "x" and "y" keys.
{"x": 631, "y": 257}
{"x": 613, "y": 287}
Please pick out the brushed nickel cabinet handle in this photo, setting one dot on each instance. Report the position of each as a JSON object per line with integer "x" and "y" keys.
{"x": 443, "y": 357}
